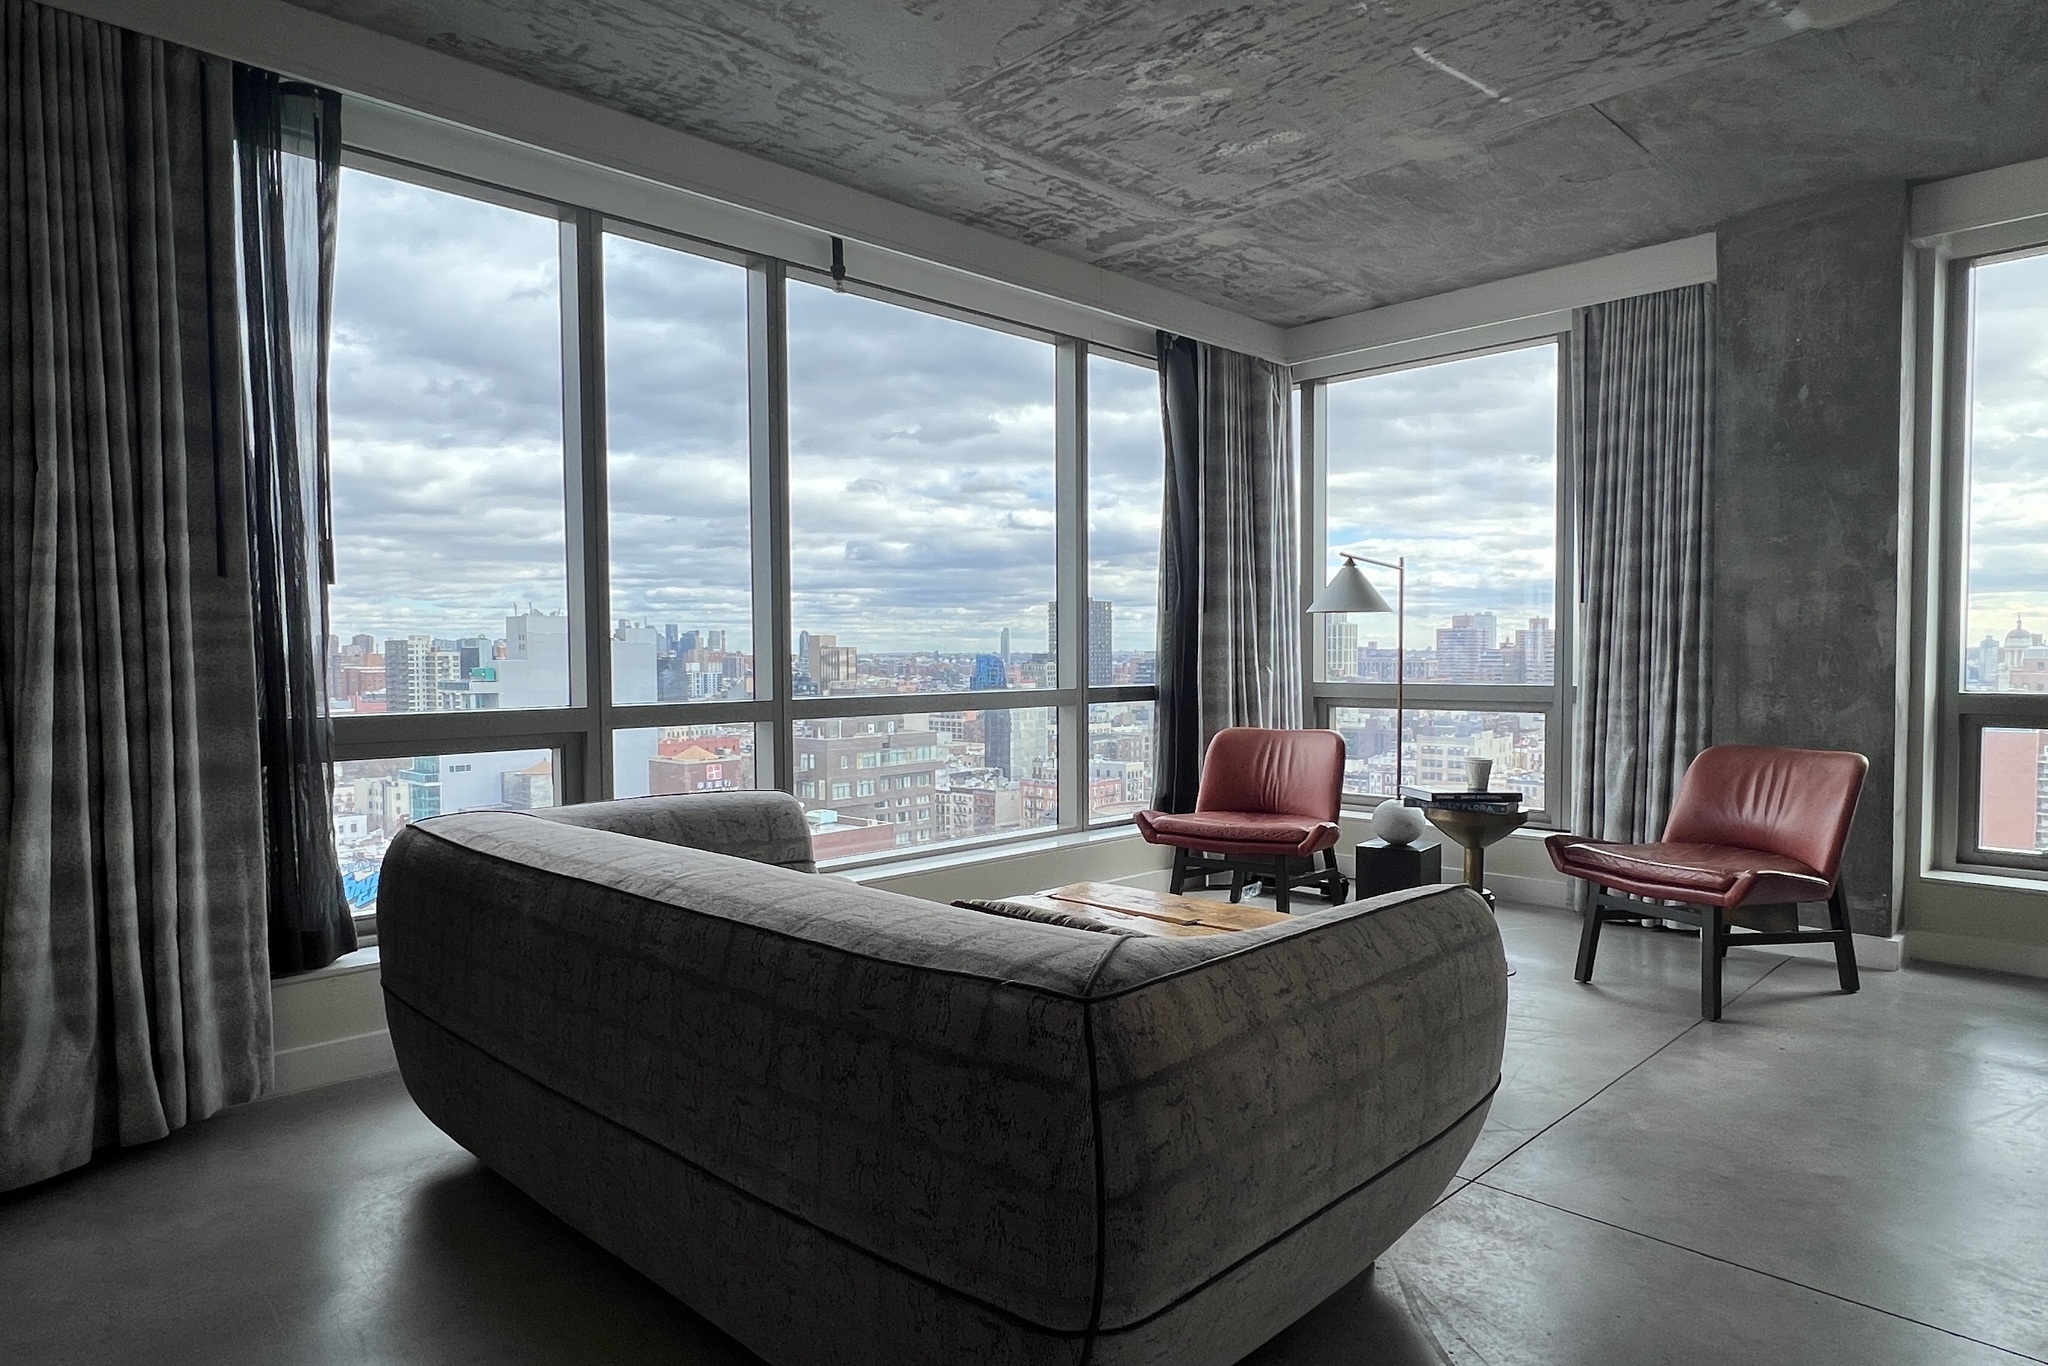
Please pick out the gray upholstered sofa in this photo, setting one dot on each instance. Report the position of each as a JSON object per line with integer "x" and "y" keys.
{"x": 852, "y": 1127}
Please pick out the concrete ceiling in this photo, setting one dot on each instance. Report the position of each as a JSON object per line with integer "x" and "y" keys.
{"x": 1300, "y": 159}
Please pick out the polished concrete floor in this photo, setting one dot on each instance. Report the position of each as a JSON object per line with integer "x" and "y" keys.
{"x": 1816, "y": 1179}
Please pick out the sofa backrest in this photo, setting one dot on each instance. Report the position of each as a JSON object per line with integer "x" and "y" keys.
{"x": 763, "y": 827}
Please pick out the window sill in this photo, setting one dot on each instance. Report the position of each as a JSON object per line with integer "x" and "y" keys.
{"x": 362, "y": 960}
{"x": 2005, "y": 880}
{"x": 993, "y": 851}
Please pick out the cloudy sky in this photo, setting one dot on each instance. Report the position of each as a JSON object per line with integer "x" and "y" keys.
{"x": 921, "y": 447}
{"x": 2009, "y": 448}
{"x": 921, "y": 451}
{"x": 446, "y": 412}
{"x": 1453, "y": 465}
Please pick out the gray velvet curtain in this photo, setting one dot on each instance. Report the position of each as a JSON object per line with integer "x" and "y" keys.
{"x": 1642, "y": 422}
{"x": 1229, "y": 588}
{"x": 134, "y": 984}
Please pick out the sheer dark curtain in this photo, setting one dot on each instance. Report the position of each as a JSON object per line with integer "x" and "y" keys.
{"x": 1229, "y": 594}
{"x": 1642, "y": 418}
{"x": 288, "y": 144}
{"x": 134, "y": 991}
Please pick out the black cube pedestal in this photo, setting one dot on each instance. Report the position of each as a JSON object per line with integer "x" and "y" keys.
{"x": 1383, "y": 867}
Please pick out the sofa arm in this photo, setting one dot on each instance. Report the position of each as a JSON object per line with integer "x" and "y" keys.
{"x": 766, "y": 827}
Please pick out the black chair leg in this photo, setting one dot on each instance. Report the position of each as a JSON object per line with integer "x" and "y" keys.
{"x": 1283, "y": 880}
{"x": 1589, "y": 936}
{"x": 1845, "y": 940}
{"x": 1180, "y": 871}
{"x": 1335, "y": 888}
{"x": 1712, "y": 931}
{"x": 1236, "y": 885}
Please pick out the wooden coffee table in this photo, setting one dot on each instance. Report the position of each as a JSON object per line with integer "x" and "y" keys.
{"x": 1160, "y": 913}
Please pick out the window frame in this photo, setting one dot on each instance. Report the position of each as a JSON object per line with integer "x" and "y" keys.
{"x": 1554, "y": 700}
{"x": 581, "y": 733}
{"x": 1961, "y": 717}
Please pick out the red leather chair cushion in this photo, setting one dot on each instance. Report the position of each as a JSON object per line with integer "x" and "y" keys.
{"x": 1703, "y": 874}
{"x": 1238, "y": 832}
{"x": 1290, "y": 772}
{"x": 1793, "y": 802}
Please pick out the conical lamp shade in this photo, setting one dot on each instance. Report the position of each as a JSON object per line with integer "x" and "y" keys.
{"x": 1349, "y": 591}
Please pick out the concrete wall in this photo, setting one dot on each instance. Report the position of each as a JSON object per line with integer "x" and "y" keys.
{"x": 1806, "y": 496}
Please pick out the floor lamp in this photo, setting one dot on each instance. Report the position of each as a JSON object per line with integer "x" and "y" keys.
{"x": 1350, "y": 591}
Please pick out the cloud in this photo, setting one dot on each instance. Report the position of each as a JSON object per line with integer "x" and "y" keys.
{"x": 922, "y": 451}
{"x": 922, "y": 479}
{"x": 2008, "y": 452}
{"x": 921, "y": 476}
{"x": 446, "y": 413}
{"x": 1454, "y": 467}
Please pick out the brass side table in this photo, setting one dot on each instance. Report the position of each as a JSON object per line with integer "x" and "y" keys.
{"x": 1474, "y": 830}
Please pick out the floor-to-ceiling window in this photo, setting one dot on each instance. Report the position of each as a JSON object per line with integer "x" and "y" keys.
{"x": 451, "y": 585}
{"x": 1994, "y": 701}
{"x": 923, "y": 569}
{"x": 1126, "y": 486}
{"x": 619, "y": 512}
{"x": 1452, "y": 467}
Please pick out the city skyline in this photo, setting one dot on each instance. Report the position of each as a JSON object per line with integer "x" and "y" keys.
{"x": 527, "y": 666}
{"x": 1435, "y": 745}
{"x": 868, "y": 785}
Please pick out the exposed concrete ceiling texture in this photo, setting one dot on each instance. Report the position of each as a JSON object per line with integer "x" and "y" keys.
{"x": 1300, "y": 159}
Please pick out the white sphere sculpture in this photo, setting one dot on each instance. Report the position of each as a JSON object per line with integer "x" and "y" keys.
{"x": 1397, "y": 823}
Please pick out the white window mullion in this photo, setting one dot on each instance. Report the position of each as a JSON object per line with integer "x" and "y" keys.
{"x": 1070, "y": 406}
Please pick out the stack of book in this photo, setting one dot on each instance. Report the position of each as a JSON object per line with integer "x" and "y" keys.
{"x": 1462, "y": 801}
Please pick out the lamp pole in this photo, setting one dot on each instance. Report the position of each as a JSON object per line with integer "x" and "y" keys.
{"x": 1400, "y": 663}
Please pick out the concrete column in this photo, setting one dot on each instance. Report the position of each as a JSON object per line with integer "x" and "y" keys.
{"x": 1806, "y": 496}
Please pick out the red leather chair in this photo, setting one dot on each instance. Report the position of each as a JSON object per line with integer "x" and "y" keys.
{"x": 1267, "y": 806}
{"x": 1754, "y": 832}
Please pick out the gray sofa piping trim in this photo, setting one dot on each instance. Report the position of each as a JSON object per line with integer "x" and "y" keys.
{"x": 1101, "y": 1202}
{"x": 1081, "y": 998}
{"x": 1088, "y": 1334}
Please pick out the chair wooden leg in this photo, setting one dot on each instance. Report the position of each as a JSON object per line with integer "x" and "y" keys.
{"x": 1589, "y": 936}
{"x": 1845, "y": 940}
{"x": 1180, "y": 871}
{"x": 1711, "y": 932}
{"x": 1335, "y": 888}
{"x": 1236, "y": 885}
{"x": 1281, "y": 885}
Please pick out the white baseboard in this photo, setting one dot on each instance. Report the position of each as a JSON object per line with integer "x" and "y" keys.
{"x": 328, "y": 1025}
{"x": 1874, "y": 953}
{"x": 331, "y": 1061}
{"x": 1971, "y": 951}
{"x": 1526, "y": 889}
